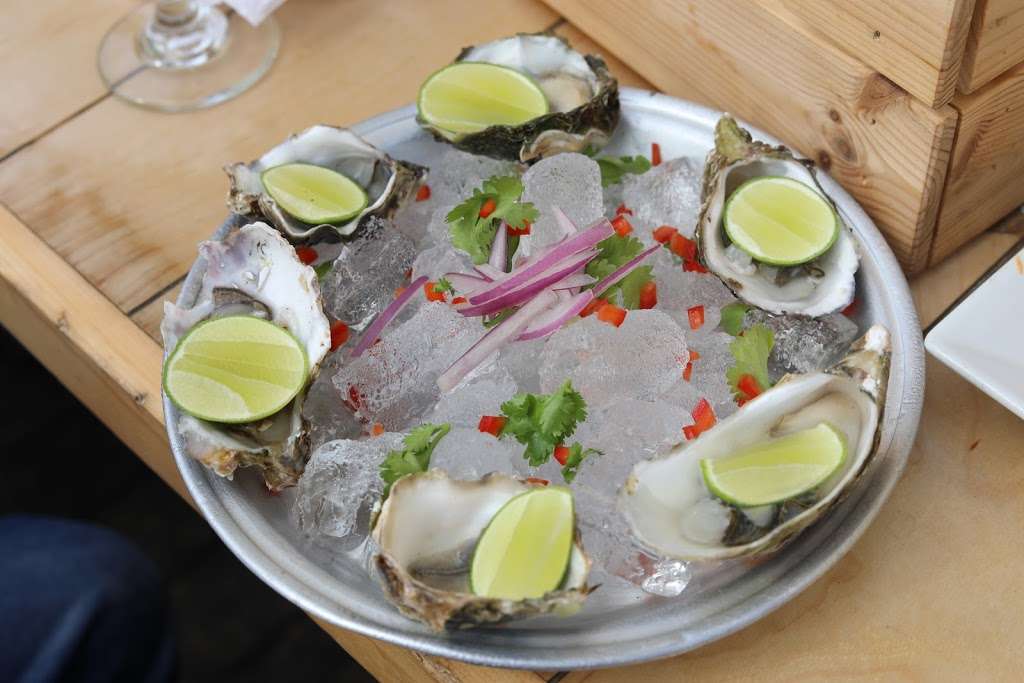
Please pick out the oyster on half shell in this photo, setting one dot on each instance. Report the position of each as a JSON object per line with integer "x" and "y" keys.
{"x": 671, "y": 510}
{"x": 582, "y": 95}
{"x": 822, "y": 286}
{"x": 388, "y": 183}
{"x": 254, "y": 271}
{"x": 427, "y": 530}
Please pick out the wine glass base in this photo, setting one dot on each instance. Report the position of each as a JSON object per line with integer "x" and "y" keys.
{"x": 220, "y": 68}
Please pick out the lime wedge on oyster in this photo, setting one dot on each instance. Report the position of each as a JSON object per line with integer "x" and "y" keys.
{"x": 524, "y": 551}
{"x": 777, "y": 469}
{"x": 235, "y": 369}
{"x": 314, "y": 194}
{"x": 467, "y": 97}
{"x": 780, "y": 221}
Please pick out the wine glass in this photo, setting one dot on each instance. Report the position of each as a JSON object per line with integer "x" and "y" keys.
{"x": 181, "y": 55}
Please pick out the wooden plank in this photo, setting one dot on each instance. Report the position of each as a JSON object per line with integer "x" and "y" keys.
{"x": 995, "y": 43}
{"x": 931, "y": 592}
{"x": 125, "y": 194}
{"x": 984, "y": 179}
{"x": 754, "y": 59}
{"x": 149, "y": 316}
{"x": 48, "y": 62}
{"x": 918, "y": 45}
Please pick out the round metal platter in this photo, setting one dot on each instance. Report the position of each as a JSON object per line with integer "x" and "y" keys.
{"x": 616, "y": 626}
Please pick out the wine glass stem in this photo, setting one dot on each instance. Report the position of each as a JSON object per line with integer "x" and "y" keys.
{"x": 183, "y": 34}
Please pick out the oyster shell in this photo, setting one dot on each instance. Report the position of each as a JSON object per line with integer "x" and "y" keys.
{"x": 582, "y": 94}
{"x": 427, "y": 530}
{"x": 822, "y": 286}
{"x": 254, "y": 271}
{"x": 671, "y": 510}
{"x": 388, "y": 183}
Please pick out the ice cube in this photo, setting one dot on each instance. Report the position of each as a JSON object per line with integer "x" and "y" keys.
{"x": 468, "y": 453}
{"x": 668, "y": 194}
{"x": 572, "y": 182}
{"x": 394, "y": 382}
{"x": 481, "y": 394}
{"x": 641, "y": 359}
{"x": 804, "y": 344}
{"x": 341, "y": 481}
{"x": 438, "y": 260}
{"x": 668, "y": 578}
{"x": 366, "y": 274}
{"x": 328, "y": 416}
{"x": 456, "y": 174}
{"x": 413, "y": 219}
{"x": 680, "y": 290}
{"x": 522, "y": 360}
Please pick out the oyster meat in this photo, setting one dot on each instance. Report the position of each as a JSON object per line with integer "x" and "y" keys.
{"x": 388, "y": 183}
{"x": 427, "y": 530}
{"x": 254, "y": 271}
{"x": 583, "y": 99}
{"x": 672, "y": 511}
{"x": 824, "y": 285}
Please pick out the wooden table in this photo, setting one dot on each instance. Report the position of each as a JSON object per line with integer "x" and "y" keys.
{"x": 105, "y": 204}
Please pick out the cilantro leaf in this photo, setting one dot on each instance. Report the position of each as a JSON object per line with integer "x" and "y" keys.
{"x": 732, "y": 317}
{"x": 751, "y": 352}
{"x": 541, "y": 422}
{"x": 474, "y": 234}
{"x": 616, "y": 251}
{"x": 576, "y": 456}
{"x": 415, "y": 457}
{"x": 444, "y": 286}
{"x": 614, "y": 168}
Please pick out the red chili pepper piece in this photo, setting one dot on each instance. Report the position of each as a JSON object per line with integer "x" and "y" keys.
{"x": 378, "y": 429}
{"x": 492, "y": 424}
{"x": 694, "y": 355}
{"x": 537, "y": 480}
{"x": 611, "y": 314}
{"x": 306, "y": 254}
{"x": 621, "y": 225}
{"x": 688, "y": 371}
{"x": 519, "y": 232}
{"x": 339, "y": 334}
{"x": 703, "y": 416}
{"x": 696, "y": 316}
{"x": 649, "y": 295}
{"x": 423, "y": 194}
{"x": 655, "y": 154}
{"x": 851, "y": 310}
{"x": 594, "y": 305}
{"x": 748, "y": 385}
{"x": 694, "y": 267}
{"x": 354, "y": 400}
{"x": 690, "y": 432}
{"x": 683, "y": 247}
{"x": 431, "y": 293}
{"x": 459, "y": 300}
{"x": 623, "y": 209}
{"x": 663, "y": 234}
{"x": 561, "y": 454}
{"x": 488, "y": 208}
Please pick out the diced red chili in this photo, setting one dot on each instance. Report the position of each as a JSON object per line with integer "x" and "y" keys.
{"x": 354, "y": 400}
{"x": 664, "y": 234}
{"x": 655, "y": 154}
{"x": 649, "y": 295}
{"x": 683, "y": 247}
{"x": 538, "y": 481}
{"x": 561, "y": 454}
{"x": 431, "y": 293}
{"x": 378, "y": 429}
{"x": 694, "y": 266}
{"x": 696, "y": 316}
{"x": 488, "y": 208}
{"x": 694, "y": 355}
{"x": 703, "y": 416}
{"x": 623, "y": 209}
{"x": 339, "y": 334}
{"x": 594, "y": 305}
{"x": 306, "y": 254}
{"x": 688, "y": 371}
{"x": 690, "y": 432}
{"x": 851, "y": 310}
{"x": 423, "y": 194}
{"x": 749, "y": 385}
{"x": 519, "y": 232}
{"x": 611, "y": 314}
{"x": 621, "y": 225}
{"x": 458, "y": 300}
{"x": 492, "y": 424}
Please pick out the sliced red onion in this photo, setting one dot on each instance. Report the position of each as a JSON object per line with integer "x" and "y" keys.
{"x": 563, "y": 250}
{"x": 574, "y": 281}
{"x": 624, "y": 270}
{"x": 529, "y": 288}
{"x": 464, "y": 283}
{"x": 490, "y": 272}
{"x": 552, "y": 320}
{"x": 499, "y": 248}
{"x": 565, "y": 224}
{"x": 499, "y": 335}
{"x": 372, "y": 332}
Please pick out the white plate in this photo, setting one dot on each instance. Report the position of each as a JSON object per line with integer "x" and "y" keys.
{"x": 981, "y": 336}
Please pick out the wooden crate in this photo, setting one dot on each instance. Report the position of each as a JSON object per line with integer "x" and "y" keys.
{"x": 995, "y": 43}
{"x": 933, "y": 167}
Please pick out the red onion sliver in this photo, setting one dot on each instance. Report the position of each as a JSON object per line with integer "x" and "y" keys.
{"x": 464, "y": 283}
{"x": 552, "y": 320}
{"x": 565, "y": 224}
{"x": 574, "y": 281}
{"x": 529, "y": 288}
{"x": 372, "y": 332}
{"x": 490, "y": 272}
{"x": 496, "y": 337}
{"x": 623, "y": 270}
{"x": 499, "y": 248}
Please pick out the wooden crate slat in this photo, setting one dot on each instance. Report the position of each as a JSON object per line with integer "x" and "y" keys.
{"x": 995, "y": 43}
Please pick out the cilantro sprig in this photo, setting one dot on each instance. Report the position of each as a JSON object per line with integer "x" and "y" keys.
{"x": 415, "y": 457}
{"x": 732, "y": 317}
{"x": 444, "y": 286}
{"x": 616, "y": 251}
{"x": 614, "y": 168}
{"x": 577, "y": 454}
{"x": 750, "y": 351}
{"x": 473, "y": 233}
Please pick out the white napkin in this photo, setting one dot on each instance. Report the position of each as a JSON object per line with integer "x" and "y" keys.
{"x": 254, "y": 11}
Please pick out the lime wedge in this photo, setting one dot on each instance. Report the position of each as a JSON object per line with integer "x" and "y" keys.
{"x": 235, "y": 369}
{"x": 777, "y": 469}
{"x": 780, "y": 221}
{"x": 469, "y": 96}
{"x": 314, "y": 194}
{"x": 524, "y": 551}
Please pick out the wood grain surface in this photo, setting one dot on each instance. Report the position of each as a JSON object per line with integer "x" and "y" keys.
{"x": 995, "y": 43}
